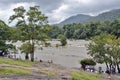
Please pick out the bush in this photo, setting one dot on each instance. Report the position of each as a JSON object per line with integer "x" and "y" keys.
{"x": 47, "y": 44}
{"x": 88, "y": 61}
{"x": 63, "y": 40}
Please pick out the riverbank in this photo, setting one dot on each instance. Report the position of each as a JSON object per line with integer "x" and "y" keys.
{"x": 37, "y": 71}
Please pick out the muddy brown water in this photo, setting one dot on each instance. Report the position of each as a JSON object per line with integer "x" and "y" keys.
{"x": 68, "y": 56}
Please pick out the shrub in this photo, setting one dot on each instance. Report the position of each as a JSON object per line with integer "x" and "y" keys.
{"x": 47, "y": 44}
{"x": 88, "y": 61}
{"x": 63, "y": 40}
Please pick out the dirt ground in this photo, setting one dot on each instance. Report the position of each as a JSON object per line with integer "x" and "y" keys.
{"x": 61, "y": 73}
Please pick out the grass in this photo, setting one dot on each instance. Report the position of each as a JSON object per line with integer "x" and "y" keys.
{"x": 8, "y": 71}
{"x": 24, "y": 63}
{"x": 48, "y": 73}
{"x": 83, "y": 76}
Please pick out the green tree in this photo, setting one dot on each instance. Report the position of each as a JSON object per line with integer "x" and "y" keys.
{"x": 55, "y": 31}
{"x": 105, "y": 49}
{"x": 63, "y": 39}
{"x": 4, "y": 37}
{"x": 26, "y": 48}
{"x": 33, "y": 25}
{"x": 4, "y": 48}
{"x": 115, "y": 27}
{"x": 88, "y": 61}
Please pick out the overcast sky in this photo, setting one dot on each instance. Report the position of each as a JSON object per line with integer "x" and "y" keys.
{"x": 58, "y": 10}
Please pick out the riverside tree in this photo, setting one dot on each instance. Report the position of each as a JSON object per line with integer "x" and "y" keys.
{"x": 105, "y": 49}
{"x": 26, "y": 48}
{"x": 5, "y": 35}
{"x": 63, "y": 39}
{"x": 33, "y": 25}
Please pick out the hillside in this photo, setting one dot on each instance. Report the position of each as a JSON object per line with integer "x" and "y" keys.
{"x": 106, "y": 16}
{"x": 81, "y": 18}
{"x": 75, "y": 19}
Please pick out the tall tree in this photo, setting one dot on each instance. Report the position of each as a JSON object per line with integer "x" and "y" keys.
{"x": 105, "y": 49}
{"x": 33, "y": 25}
{"x": 115, "y": 26}
{"x": 5, "y": 34}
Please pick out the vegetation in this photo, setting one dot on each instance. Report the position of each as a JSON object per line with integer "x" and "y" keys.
{"x": 47, "y": 72}
{"x": 5, "y": 34}
{"x": 88, "y": 30}
{"x": 24, "y": 63}
{"x": 8, "y": 71}
{"x": 32, "y": 28}
{"x": 88, "y": 61}
{"x": 33, "y": 25}
{"x": 26, "y": 48}
{"x": 83, "y": 76}
{"x": 105, "y": 48}
{"x": 55, "y": 31}
{"x": 63, "y": 40}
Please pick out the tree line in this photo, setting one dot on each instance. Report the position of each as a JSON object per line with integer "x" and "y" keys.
{"x": 86, "y": 31}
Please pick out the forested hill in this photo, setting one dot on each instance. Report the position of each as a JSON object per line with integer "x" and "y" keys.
{"x": 81, "y": 18}
{"x": 75, "y": 19}
{"x": 110, "y": 15}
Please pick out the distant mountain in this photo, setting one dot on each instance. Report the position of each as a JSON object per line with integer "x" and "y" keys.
{"x": 106, "y": 16}
{"x": 75, "y": 19}
{"x": 81, "y": 18}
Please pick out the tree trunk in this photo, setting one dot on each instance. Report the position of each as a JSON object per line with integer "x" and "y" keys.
{"x": 32, "y": 57}
{"x": 32, "y": 53}
{"x": 118, "y": 68}
{"x": 26, "y": 57}
{"x": 106, "y": 64}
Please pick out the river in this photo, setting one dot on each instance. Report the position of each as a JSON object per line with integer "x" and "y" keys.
{"x": 68, "y": 56}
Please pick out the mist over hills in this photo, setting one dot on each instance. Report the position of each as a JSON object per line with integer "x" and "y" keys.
{"x": 82, "y": 18}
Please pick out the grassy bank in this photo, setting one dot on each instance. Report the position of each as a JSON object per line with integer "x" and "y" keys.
{"x": 8, "y": 71}
{"x": 24, "y": 63}
{"x": 83, "y": 76}
{"x": 47, "y": 72}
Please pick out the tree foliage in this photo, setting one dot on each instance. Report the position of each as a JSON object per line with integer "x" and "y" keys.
{"x": 88, "y": 30}
{"x": 88, "y": 61}
{"x": 63, "y": 40}
{"x": 33, "y": 25}
{"x": 26, "y": 48}
{"x": 105, "y": 49}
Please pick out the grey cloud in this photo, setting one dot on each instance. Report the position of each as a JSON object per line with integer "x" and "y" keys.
{"x": 49, "y": 7}
{"x": 44, "y": 4}
{"x": 96, "y": 6}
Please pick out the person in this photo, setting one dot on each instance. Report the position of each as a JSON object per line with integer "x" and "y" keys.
{"x": 100, "y": 70}
{"x": 113, "y": 70}
{"x": 108, "y": 72}
{"x": 83, "y": 67}
{"x": 41, "y": 60}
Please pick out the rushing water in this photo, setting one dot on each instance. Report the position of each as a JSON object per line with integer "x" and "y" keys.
{"x": 68, "y": 56}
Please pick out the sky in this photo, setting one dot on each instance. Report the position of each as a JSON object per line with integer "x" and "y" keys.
{"x": 59, "y": 10}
